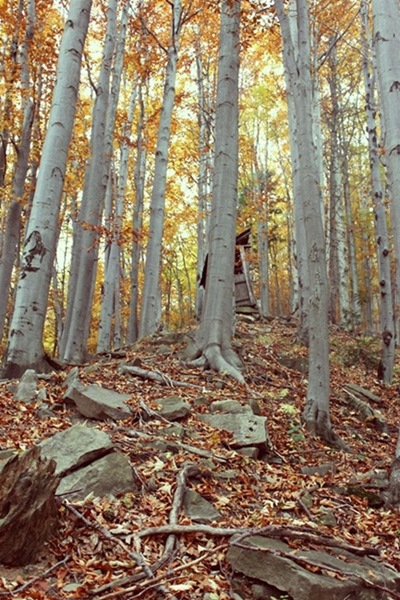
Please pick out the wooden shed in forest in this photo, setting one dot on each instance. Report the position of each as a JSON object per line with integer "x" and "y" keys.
{"x": 244, "y": 291}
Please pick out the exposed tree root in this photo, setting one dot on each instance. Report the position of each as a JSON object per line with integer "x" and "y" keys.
{"x": 318, "y": 423}
{"x": 221, "y": 361}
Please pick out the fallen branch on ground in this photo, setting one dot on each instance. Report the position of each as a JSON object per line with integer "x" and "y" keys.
{"x": 171, "y": 575}
{"x": 27, "y": 584}
{"x": 158, "y": 377}
{"x": 132, "y": 433}
{"x": 188, "y": 470}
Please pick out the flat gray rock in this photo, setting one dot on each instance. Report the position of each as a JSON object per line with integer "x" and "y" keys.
{"x": 27, "y": 387}
{"x": 75, "y": 447}
{"x": 96, "y": 402}
{"x": 198, "y": 508}
{"x": 173, "y": 408}
{"x": 229, "y": 406}
{"x": 264, "y": 562}
{"x": 111, "y": 474}
{"x": 247, "y": 429}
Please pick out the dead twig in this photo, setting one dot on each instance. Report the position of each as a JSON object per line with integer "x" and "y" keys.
{"x": 171, "y": 575}
{"x": 131, "y": 433}
{"x": 27, "y": 584}
{"x": 307, "y": 536}
{"x": 188, "y": 470}
{"x": 138, "y": 558}
{"x": 156, "y": 376}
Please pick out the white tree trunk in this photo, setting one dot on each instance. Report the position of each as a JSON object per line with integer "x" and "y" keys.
{"x": 302, "y": 286}
{"x": 263, "y": 261}
{"x": 11, "y": 238}
{"x": 204, "y": 184}
{"x": 381, "y": 229}
{"x": 83, "y": 271}
{"x": 338, "y": 263}
{"x": 316, "y": 413}
{"x": 150, "y": 317}
{"x": 25, "y": 348}
{"x": 214, "y": 337}
{"x": 110, "y": 300}
{"x": 137, "y": 222}
{"x": 386, "y": 22}
{"x": 351, "y": 242}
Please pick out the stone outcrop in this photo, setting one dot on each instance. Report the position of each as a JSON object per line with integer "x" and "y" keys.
{"x": 275, "y": 563}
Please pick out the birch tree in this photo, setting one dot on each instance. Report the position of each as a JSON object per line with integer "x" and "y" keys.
{"x": 213, "y": 342}
{"x": 137, "y": 221}
{"x": 205, "y": 120}
{"x": 115, "y": 190}
{"x": 25, "y": 346}
{"x": 11, "y": 238}
{"x": 338, "y": 259}
{"x": 151, "y": 304}
{"x": 386, "y": 26}
{"x": 377, "y": 188}
{"x": 298, "y": 75}
{"x": 290, "y": 52}
{"x": 85, "y": 252}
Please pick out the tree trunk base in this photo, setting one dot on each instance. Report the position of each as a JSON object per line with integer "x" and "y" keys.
{"x": 27, "y": 507}
{"x": 318, "y": 423}
{"x": 393, "y": 491}
{"x": 46, "y": 364}
{"x": 221, "y": 360}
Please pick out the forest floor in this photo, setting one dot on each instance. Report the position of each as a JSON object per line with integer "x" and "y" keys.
{"x": 88, "y": 553}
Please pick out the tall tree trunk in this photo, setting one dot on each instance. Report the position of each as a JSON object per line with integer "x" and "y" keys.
{"x": 205, "y": 118}
{"x": 83, "y": 269}
{"x": 214, "y": 337}
{"x": 137, "y": 222}
{"x": 386, "y": 22}
{"x": 290, "y": 53}
{"x": 316, "y": 412}
{"x": 381, "y": 229}
{"x": 150, "y": 317}
{"x": 11, "y": 238}
{"x": 25, "y": 347}
{"x": 338, "y": 262}
{"x": 110, "y": 301}
{"x": 355, "y": 305}
{"x": 263, "y": 258}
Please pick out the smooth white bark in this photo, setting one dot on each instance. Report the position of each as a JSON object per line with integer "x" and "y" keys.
{"x": 386, "y": 24}
{"x": 316, "y": 413}
{"x": 25, "y": 348}
{"x": 150, "y": 317}
{"x": 109, "y": 315}
{"x": 290, "y": 52}
{"x": 80, "y": 297}
{"x": 137, "y": 222}
{"x": 214, "y": 337}
{"x": 377, "y": 188}
{"x": 11, "y": 237}
{"x": 205, "y": 119}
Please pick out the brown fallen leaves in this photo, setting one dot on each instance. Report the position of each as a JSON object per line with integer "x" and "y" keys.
{"x": 100, "y": 550}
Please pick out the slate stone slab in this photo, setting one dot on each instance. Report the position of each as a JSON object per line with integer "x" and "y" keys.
{"x": 111, "y": 474}
{"x": 264, "y": 562}
{"x": 75, "y": 447}
{"x": 199, "y": 509}
{"x": 96, "y": 402}
{"x": 173, "y": 408}
{"x": 229, "y": 406}
{"x": 27, "y": 387}
{"x": 247, "y": 429}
